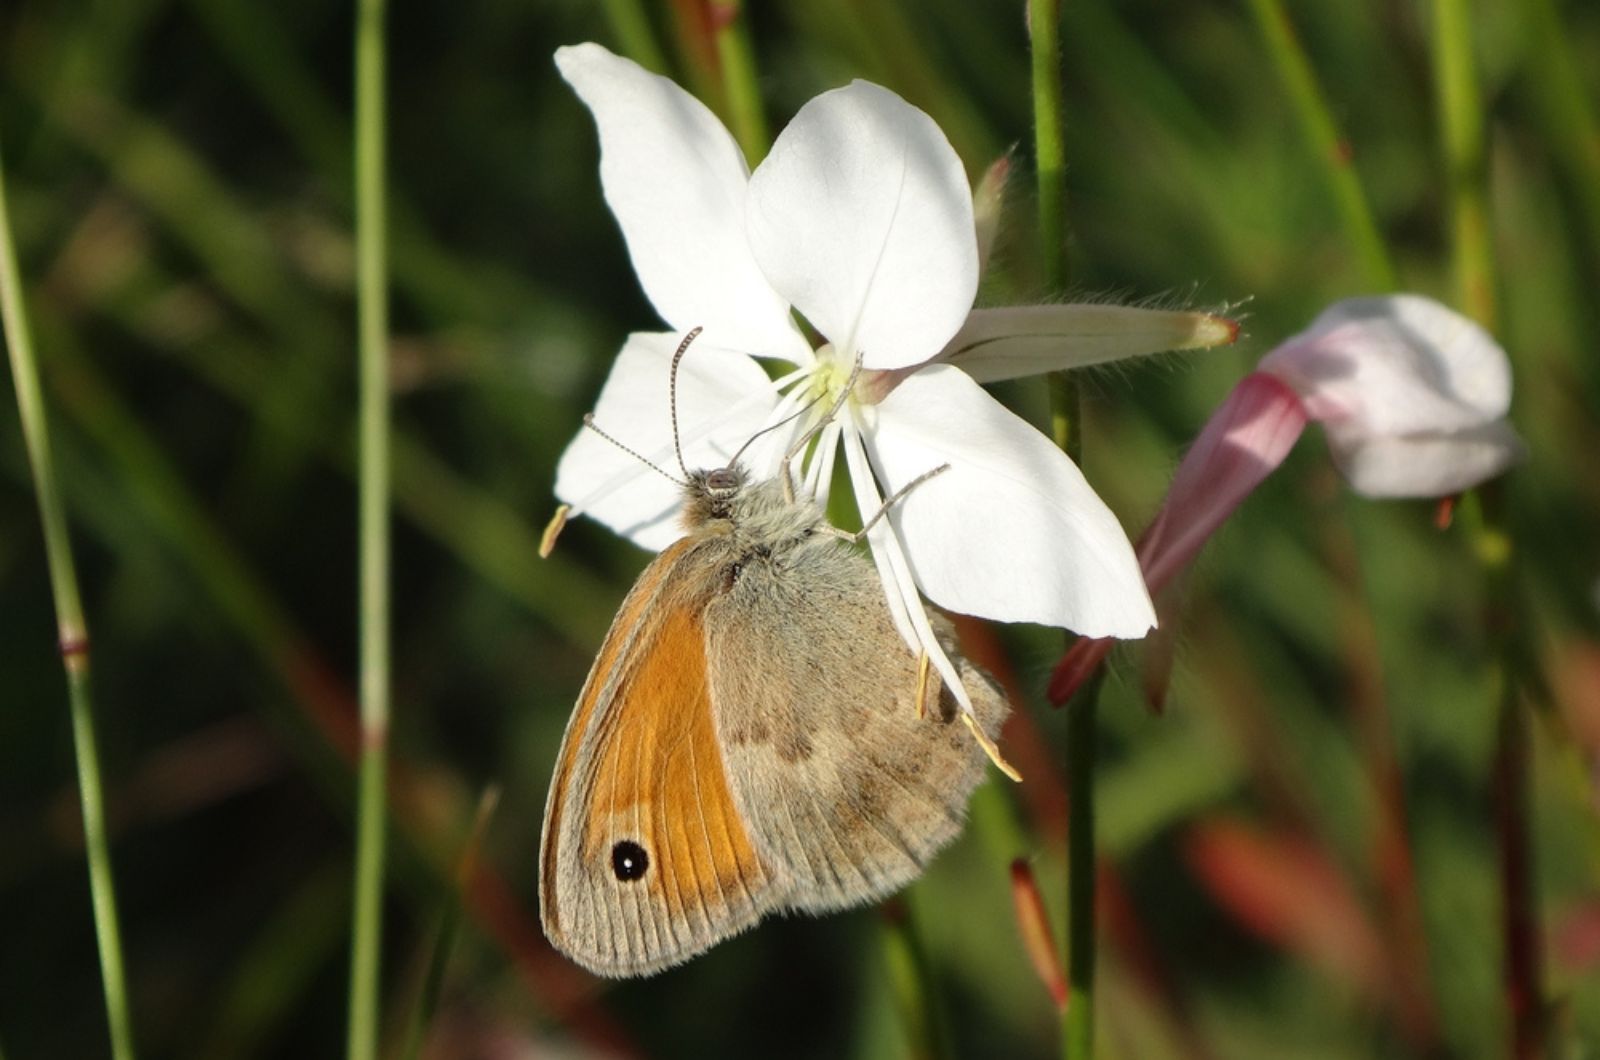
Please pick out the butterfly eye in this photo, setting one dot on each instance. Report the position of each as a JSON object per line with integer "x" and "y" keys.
{"x": 629, "y": 861}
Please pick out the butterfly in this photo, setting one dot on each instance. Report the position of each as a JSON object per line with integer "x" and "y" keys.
{"x": 754, "y": 737}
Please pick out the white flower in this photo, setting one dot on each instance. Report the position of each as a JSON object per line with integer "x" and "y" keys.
{"x": 861, "y": 220}
{"x": 1412, "y": 395}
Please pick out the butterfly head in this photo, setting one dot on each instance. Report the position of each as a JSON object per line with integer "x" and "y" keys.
{"x": 711, "y": 493}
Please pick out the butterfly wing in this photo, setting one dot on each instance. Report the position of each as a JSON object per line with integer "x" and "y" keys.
{"x": 845, "y": 787}
{"x": 645, "y": 860}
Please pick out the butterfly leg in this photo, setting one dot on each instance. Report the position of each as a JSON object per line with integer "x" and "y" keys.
{"x": 895, "y": 498}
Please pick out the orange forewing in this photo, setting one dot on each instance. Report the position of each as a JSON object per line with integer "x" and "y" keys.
{"x": 635, "y": 611}
{"x": 657, "y": 768}
{"x": 660, "y": 780}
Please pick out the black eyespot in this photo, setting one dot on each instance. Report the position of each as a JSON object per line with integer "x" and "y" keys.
{"x": 730, "y": 574}
{"x": 629, "y": 861}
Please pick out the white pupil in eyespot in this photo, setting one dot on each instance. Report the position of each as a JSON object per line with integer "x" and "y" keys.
{"x": 629, "y": 861}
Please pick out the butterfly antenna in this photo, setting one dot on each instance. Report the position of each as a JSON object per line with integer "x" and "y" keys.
{"x": 588, "y": 421}
{"x": 672, "y": 394}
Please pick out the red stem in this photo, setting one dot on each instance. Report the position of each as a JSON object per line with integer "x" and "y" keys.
{"x": 1522, "y": 948}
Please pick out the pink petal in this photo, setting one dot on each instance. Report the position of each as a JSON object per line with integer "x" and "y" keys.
{"x": 1246, "y": 438}
{"x": 1243, "y": 442}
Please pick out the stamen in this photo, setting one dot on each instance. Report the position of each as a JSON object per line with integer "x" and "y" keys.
{"x": 989, "y": 748}
{"x": 547, "y": 542}
{"x": 922, "y": 686}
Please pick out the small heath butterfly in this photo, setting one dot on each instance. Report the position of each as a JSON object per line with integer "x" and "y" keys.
{"x": 754, "y": 737}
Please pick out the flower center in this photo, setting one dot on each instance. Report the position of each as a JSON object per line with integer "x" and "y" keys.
{"x": 832, "y": 373}
{"x": 830, "y": 376}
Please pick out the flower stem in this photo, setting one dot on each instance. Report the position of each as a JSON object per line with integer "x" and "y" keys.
{"x": 1050, "y": 168}
{"x": 372, "y": 308}
{"x": 1327, "y": 144}
{"x": 1461, "y": 129}
{"x": 1462, "y": 125}
{"x": 72, "y": 633}
{"x": 636, "y": 39}
{"x": 915, "y": 986}
{"x": 1567, "y": 116}
{"x": 1078, "y": 1016}
{"x": 1077, "y": 1027}
{"x": 1049, "y": 146}
{"x": 737, "y": 58}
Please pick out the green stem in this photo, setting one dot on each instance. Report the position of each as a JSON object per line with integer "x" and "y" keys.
{"x": 1462, "y": 134}
{"x": 1050, "y": 167}
{"x": 1462, "y": 127}
{"x": 186, "y": 527}
{"x": 1077, "y": 1029}
{"x": 1567, "y": 116}
{"x": 915, "y": 986}
{"x": 72, "y": 632}
{"x": 1329, "y": 147}
{"x": 636, "y": 39}
{"x": 1078, "y": 1016}
{"x": 739, "y": 81}
{"x": 372, "y": 302}
{"x": 1049, "y": 147}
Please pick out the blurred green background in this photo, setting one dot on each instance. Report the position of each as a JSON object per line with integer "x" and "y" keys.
{"x": 1299, "y": 855}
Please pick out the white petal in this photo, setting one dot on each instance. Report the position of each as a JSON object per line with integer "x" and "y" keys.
{"x": 677, "y": 182}
{"x": 819, "y": 474}
{"x": 862, "y": 218}
{"x": 723, "y": 398}
{"x": 1016, "y": 341}
{"x": 868, "y": 501}
{"x": 1424, "y": 465}
{"x": 1012, "y": 530}
{"x": 1400, "y": 364}
{"x": 894, "y": 571}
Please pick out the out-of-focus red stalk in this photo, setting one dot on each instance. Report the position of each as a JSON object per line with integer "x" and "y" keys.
{"x": 1033, "y": 923}
{"x": 1523, "y": 956}
{"x": 1287, "y": 890}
